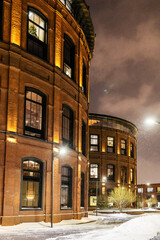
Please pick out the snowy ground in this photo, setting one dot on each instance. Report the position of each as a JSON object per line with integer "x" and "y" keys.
{"x": 141, "y": 227}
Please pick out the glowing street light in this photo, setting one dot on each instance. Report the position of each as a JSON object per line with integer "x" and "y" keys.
{"x": 151, "y": 122}
{"x": 148, "y": 184}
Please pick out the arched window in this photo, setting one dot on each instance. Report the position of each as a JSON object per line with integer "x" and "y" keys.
{"x": 37, "y": 33}
{"x": 110, "y": 173}
{"x": 82, "y": 189}
{"x": 66, "y": 187}
{"x": 69, "y": 57}
{"x": 84, "y": 86}
{"x": 1, "y": 19}
{"x": 67, "y": 126}
{"x": 83, "y": 138}
{"x": 68, "y": 4}
{"x": 32, "y": 175}
{"x": 35, "y": 104}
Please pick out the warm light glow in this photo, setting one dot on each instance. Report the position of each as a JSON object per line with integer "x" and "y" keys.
{"x": 152, "y": 196}
{"x": 62, "y": 151}
{"x": 55, "y": 149}
{"x": 148, "y": 184}
{"x": 103, "y": 149}
{"x": 104, "y": 179}
{"x": 150, "y": 121}
{"x": 11, "y": 139}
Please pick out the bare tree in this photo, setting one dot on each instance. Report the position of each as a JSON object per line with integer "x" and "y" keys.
{"x": 122, "y": 197}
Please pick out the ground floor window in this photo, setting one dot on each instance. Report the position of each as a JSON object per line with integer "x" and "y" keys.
{"x": 93, "y": 201}
{"x": 66, "y": 187}
{"x": 31, "y": 196}
{"x": 82, "y": 189}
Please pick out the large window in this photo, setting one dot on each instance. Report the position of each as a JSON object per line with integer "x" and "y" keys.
{"x": 94, "y": 171}
{"x": 132, "y": 175}
{"x": 123, "y": 175}
{"x": 110, "y": 144}
{"x": 82, "y": 189}
{"x": 69, "y": 57}
{"x": 149, "y": 189}
{"x": 67, "y": 126}
{"x": 140, "y": 190}
{"x": 66, "y": 187}
{"x": 123, "y": 147}
{"x": 37, "y": 33}
{"x": 1, "y": 18}
{"x": 110, "y": 173}
{"x": 132, "y": 149}
{"x": 83, "y": 138}
{"x": 84, "y": 85}
{"x": 158, "y": 189}
{"x": 94, "y": 143}
{"x": 31, "y": 195}
{"x": 35, "y": 117}
{"x": 68, "y": 4}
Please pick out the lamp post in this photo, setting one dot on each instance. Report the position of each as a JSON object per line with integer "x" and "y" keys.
{"x": 55, "y": 152}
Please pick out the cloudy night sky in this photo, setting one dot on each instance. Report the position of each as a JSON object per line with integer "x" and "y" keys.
{"x": 125, "y": 72}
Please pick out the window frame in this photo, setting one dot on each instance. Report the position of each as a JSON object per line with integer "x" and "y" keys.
{"x": 83, "y": 138}
{"x": 66, "y": 4}
{"x": 43, "y": 45}
{"x": 111, "y": 180}
{"x": 132, "y": 151}
{"x": 147, "y": 190}
{"x": 30, "y": 129}
{"x": 66, "y": 61}
{"x": 41, "y": 187}
{"x": 69, "y": 142}
{"x": 93, "y": 178}
{"x": 93, "y": 144}
{"x": 124, "y": 149}
{"x": 132, "y": 169}
{"x": 82, "y": 189}
{"x": 109, "y": 147}
{"x": 84, "y": 80}
{"x": 124, "y": 181}
{"x": 70, "y": 187}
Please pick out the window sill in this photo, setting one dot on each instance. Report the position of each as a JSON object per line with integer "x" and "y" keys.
{"x": 66, "y": 208}
{"x": 31, "y": 209}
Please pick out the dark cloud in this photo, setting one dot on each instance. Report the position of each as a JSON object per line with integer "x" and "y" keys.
{"x": 125, "y": 71}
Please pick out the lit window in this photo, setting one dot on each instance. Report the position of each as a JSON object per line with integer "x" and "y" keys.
{"x": 34, "y": 113}
{"x": 32, "y": 184}
{"x": 123, "y": 147}
{"x": 150, "y": 189}
{"x": 93, "y": 201}
{"x": 158, "y": 189}
{"x": 93, "y": 170}
{"x": 66, "y": 187}
{"x": 132, "y": 150}
{"x": 67, "y": 126}
{"x": 84, "y": 84}
{"x": 82, "y": 189}
{"x": 140, "y": 190}
{"x": 69, "y": 57}
{"x": 110, "y": 173}
{"x": 123, "y": 175}
{"x": 94, "y": 143}
{"x": 110, "y": 145}
{"x": 68, "y": 4}
{"x": 37, "y": 33}
{"x": 132, "y": 175}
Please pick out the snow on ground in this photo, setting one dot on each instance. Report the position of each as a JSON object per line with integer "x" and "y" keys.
{"x": 141, "y": 228}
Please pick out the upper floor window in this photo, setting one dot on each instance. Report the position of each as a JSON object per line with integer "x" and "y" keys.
{"x": 149, "y": 189}
{"x": 140, "y": 190}
{"x": 1, "y": 19}
{"x": 110, "y": 173}
{"x": 67, "y": 126}
{"x": 123, "y": 175}
{"x": 66, "y": 187}
{"x": 37, "y": 33}
{"x": 93, "y": 170}
{"x": 84, "y": 84}
{"x": 32, "y": 171}
{"x": 83, "y": 138}
{"x": 69, "y": 57}
{"x": 35, "y": 117}
{"x": 132, "y": 175}
{"x": 110, "y": 144}
{"x": 68, "y": 4}
{"x": 158, "y": 189}
{"x": 132, "y": 150}
{"x": 82, "y": 189}
{"x": 94, "y": 143}
{"x": 123, "y": 147}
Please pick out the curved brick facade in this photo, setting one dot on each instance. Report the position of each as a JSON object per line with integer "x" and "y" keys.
{"x": 32, "y": 57}
{"x": 112, "y": 156}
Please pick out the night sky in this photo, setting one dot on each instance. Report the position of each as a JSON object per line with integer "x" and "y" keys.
{"x": 125, "y": 72}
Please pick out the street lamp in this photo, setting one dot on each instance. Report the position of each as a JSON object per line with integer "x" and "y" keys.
{"x": 151, "y": 122}
{"x": 55, "y": 152}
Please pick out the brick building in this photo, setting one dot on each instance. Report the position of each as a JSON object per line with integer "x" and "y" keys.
{"x": 147, "y": 191}
{"x": 112, "y": 155}
{"x": 45, "y": 52}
